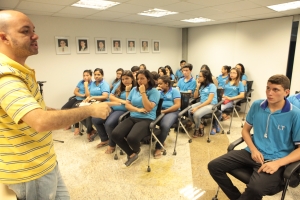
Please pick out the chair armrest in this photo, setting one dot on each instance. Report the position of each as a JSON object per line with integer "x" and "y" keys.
{"x": 153, "y": 123}
{"x": 193, "y": 100}
{"x": 217, "y": 105}
{"x": 290, "y": 169}
{"x": 236, "y": 101}
{"x": 125, "y": 115}
{"x": 72, "y": 97}
{"x": 184, "y": 111}
{"x": 235, "y": 143}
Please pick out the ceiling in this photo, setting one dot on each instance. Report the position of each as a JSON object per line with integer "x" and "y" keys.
{"x": 222, "y": 11}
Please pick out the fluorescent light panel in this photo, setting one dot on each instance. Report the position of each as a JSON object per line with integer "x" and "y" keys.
{"x": 197, "y": 20}
{"x": 285, "y": 6}
{"x": 157, "y": 12}
{"x": 95, "y": 4}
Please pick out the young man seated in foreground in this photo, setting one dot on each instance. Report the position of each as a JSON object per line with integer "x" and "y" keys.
{"x": 276, "y": 124}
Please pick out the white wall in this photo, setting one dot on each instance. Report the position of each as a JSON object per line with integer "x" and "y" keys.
{"x": 63, "y": 72}
{"x": 295, "y": 85}
{"x": 262, "y": 46}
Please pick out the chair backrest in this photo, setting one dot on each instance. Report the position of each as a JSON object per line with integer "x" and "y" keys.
{"x": 159, "y": 105}
{"x": 185, "y": 99}
{"x": 249, "y": 85}
{"x": 220, "y": 93}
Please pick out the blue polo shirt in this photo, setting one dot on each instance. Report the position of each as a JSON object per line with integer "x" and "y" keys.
{"x": 172, "y": 77}
{"x": 245, "y": 78}
{"x": 179, "y": 74}
{"x": 205, "y": 92}
{"x": 222, "y": 81}
{"x": 122, "y": 96}
{"x": 185, "y": 86}
{"x": 135, "y": 98}
{"x": 295, "y": 100}
{"x": 232, "y": 90}
{"x": 116, "y": 84}
{"x": 169, "y": 98}
{"x": 80, "y": 85}
{"x": 97, "y": 90}
{"x": 277, "y": 133}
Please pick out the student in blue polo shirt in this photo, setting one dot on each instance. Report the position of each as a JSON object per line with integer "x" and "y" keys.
{"x": 170, "y": 72}
{"x": 187, "y": 83}
{"x": 142, "y": 104}
{"x": 276, "y": 124}
{"x": 81, "y": 92}
{"x": 178, "y": 73}
{"x": 295, "y": 99}
{"x": 243, "y": 76}
{"x": 233, "y": 90}
{"x": 223, "y": 77}
{"x": 207, "y": 91}
{"x": 117, "y": 80}
{"x": 105, "y": 126}
{"x": 170, "y": 107}
{"x": 99, "y": 91}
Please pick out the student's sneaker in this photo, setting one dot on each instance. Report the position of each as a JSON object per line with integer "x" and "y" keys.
{"x": 218, "y": 129}
{"x": 132, "y": 160}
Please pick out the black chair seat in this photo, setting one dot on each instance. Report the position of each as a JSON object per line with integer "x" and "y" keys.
{"x": 230, "y": 110}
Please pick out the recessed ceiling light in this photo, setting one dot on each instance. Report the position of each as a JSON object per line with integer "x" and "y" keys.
{"x": 197, "y": 20}
{"x": 157, "y": 12}
{"x": 285, "y": 6}
{"x": 95, "y": 4}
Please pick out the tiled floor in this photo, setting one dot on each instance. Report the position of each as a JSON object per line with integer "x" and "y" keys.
{"x": 89, "y": 173}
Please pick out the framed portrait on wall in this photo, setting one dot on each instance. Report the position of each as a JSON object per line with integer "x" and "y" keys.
{"x": 82, "y": 45}
{"x": 155, "y": 46}
{"x": 116, "y": 45}
{"x": 101, "y": 45}
{"x": 62, "y": 45}
{"x": 145, "y": 45}
{"x": 131, "y": 46}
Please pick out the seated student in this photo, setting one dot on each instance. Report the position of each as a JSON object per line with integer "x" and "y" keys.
{"x": 276, "y": 124}
{"x": 155, "y": 77}
{"x": 81, "y": 92}
{"x": 295, "y": 99}
{"x": 162, "y": 71}
{"x": 170, "y": 106}
{"x": 142, "y": 104}
{"x": 223, "y": 77}
{"x": 207, "y": 92}
{"x": 205, "y": 67}
{"x": 142, "y": 67}
{"x": 178, "y": 73}
{"x": 243, "y": 77}
{"x": 187, "y": 83}
{"x": 99, "y": 91}
{"x": 170, "y": 72}
{"x": 117, "y": 80}
{"x": 105, "y": 127}
{"x": 134, "y": 70}
{"x": 233, "y": 90}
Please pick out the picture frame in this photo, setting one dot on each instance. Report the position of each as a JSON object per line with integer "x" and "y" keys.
{"x": 156, "y": 46}
{"x": 101, "y": 45}
{"x": 145, "y": 46}
{"x": 131, "y": 46}
{"x": 116, "y": 45}
{"x": 82, "y": 45}
{"x": 62, "y": 45}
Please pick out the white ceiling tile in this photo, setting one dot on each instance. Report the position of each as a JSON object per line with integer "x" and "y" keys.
{"x": 39, "y": 6}
{"x": 78, "y": 11}
{"x": 8, "y": 4}
{"x": 241, "y": 5}
{"x": 135, "y": 17}
{"x": 212, "y": 2}
{"x": 107, "y": 15}
{"x": 67, "y": 15}
{"x": 204, "y": 11}
{"x": 182, "y": 7}
{"x": 158, "y": 20}
{"x": 179, "y": 16}
{"x": 35, "y": 12}
{"x": 254, "y": 11}
{"x": 55, "y": 2}
{"x": 269, "y": 15}
{"x": 128, "y": 8}
{"x": 152, "y": 3}
{"x": 270, "y": 2}
{"x": 222, "y": 16}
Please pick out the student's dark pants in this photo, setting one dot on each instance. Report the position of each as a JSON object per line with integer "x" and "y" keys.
{"x": 87, "y": 122}
{"x": 260, "y": 184}
{"x": 135, "y": 129}
{"x": 72, "y": 104}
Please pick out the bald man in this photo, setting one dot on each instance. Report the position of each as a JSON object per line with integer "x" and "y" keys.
{"x": 28, "y": 163}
